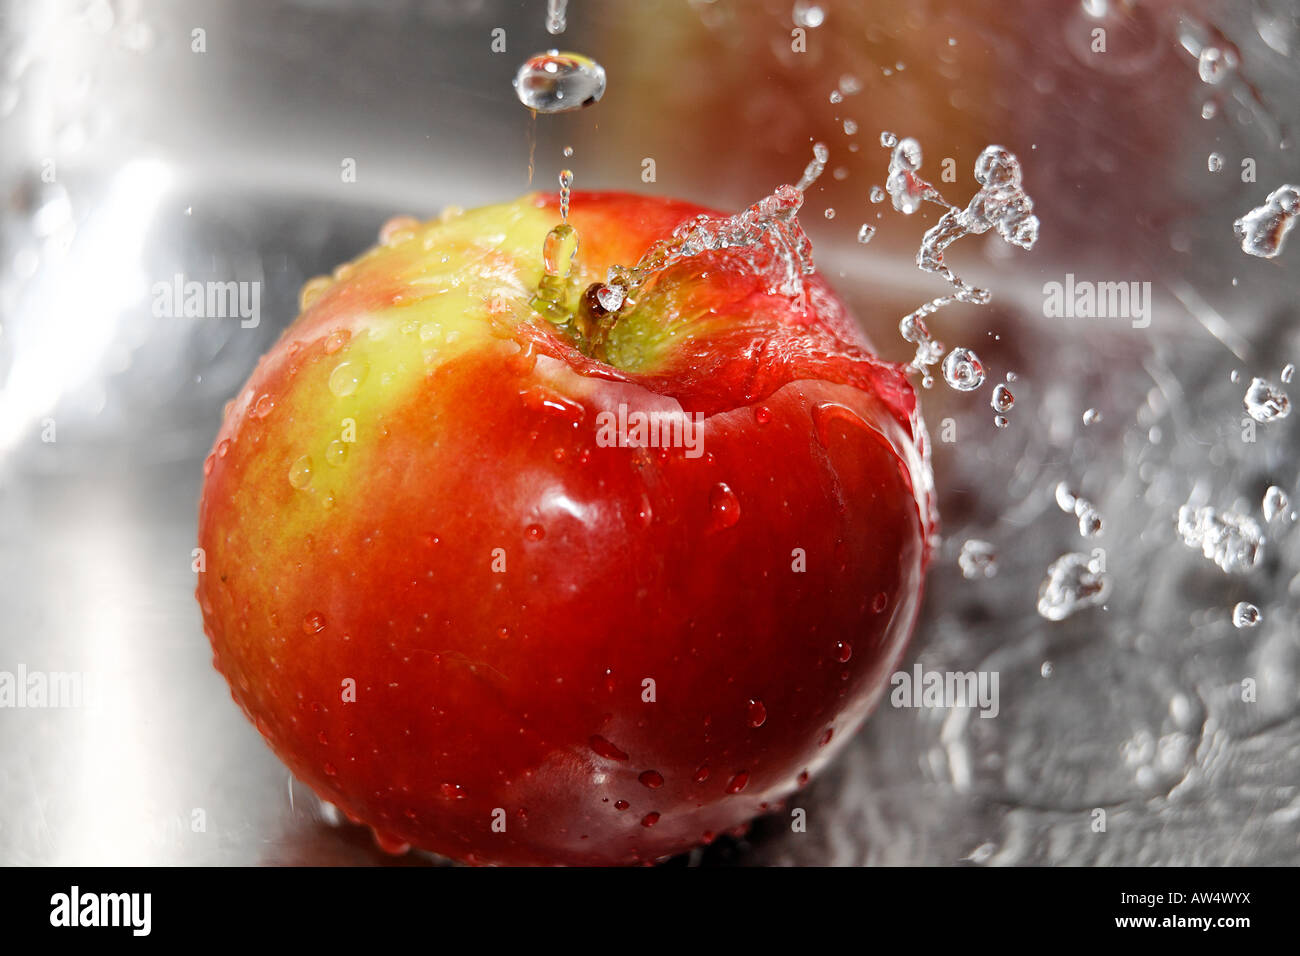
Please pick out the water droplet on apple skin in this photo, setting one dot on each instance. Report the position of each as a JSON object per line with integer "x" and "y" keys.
{"x": 346, "y": 378}
{"x": 606, "y": 749}
{"x": 300, "y": 472}
{"x": 724, "y": 507}
{"x": 652, "y": 779}
{"x": 738, "y": 782}
{"x": 757, "y": 713}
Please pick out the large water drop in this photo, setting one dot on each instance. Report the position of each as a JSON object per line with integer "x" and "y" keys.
{"x": 555, "y": 82}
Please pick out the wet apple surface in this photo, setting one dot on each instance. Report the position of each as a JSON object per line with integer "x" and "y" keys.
{"x": 518, "y": 593}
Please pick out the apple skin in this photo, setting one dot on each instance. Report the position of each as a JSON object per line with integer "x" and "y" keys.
{"x": 480, "y": 632}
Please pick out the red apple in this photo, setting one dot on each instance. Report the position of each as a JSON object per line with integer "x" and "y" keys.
{"x": 463, "y": 615}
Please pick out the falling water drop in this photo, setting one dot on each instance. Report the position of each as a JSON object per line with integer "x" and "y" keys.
{"x": 566, "y": 190}
{"x": 555, "y": 82}
{"x": 555, "y": 16}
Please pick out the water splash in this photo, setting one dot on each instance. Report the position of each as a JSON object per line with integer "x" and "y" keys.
{"x": 770, "y": 223}
{"x": 1265, "y": 402}
{"x": 1263, "y": 231}
{"x": 1000, "y": 204}
{"x": 1232, "y": 541}
{"x": 978, "y": 559}
{"x": 1074, "y": 581}
{"x": 1275, "y": 503}
{"x": 814, "y": 169}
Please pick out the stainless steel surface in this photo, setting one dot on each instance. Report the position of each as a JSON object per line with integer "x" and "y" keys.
{"x": 225, "y": 164}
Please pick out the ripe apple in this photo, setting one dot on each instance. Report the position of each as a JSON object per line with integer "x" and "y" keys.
{"x": 463, "y": 605}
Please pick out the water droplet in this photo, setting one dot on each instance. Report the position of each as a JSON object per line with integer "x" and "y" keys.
{"x": 757, "y": 713}
{"x": 808, "y": 14}
{"x": 300, "y": 472}
{"x": 877, "y": 194}
{"x": 346, "y": 378}
{"x": 534, "y": 532}
{"x": 223, "y": 447}
{"x": 652, "y": 779}
{"x": 336, "y": 340}
{"x": 963, "y": 370}
{"x": 978, "y": 559}
{"x": 336, "y": 452}
{"x": 1265, "y": 402}
{"x": 398, "y": 229}
{"x": 866, "y": 233}
{"x": 1263, "y": 231}
{"x": 555, "y": 16}
{"x": 621, "y": 804}
{"x": 1209, "y": 109}
{"x": 263, "y": 406}
{"x": 889, "y": 140}
{"x": 313, "y": 623}
{"x": 611, "y": 298}
{"x": 650, "y": 819}
{"x": 830, "y": 213}
{"x": 826, "y": 737}
{"x": 1003, "y": 400}
{"x": 1091, "y": 416}
{"x": 1214, "y": 162}
{"x": 1246, "y": 615}
{"x": 843, "y": 651}
{"x": 738, "y": 782}
{"x": 762, "y": 414}
{"x": 1001, "y": 421}
{"x": 1073, "y": 582}
{"x": 312, "y": 290}
{"x": 1214, "y": 64}
{"x": 1275, "y": 502}
{"x": 724, "y": 506}
{"x": 850, "y": 127}
{"x": 453, "y": 791}
{"x": 836, "y": 96}
{"x": 1288, "y": 372}
{"x": 1047, "y": 670}
{"x": 605, "y": 749}
{"x": 555, "y": 82}
{"x": 566, "y": 189}
{"x": 568, "y": 151}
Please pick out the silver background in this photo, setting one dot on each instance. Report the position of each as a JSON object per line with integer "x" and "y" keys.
{"x": 226, "y": 165}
